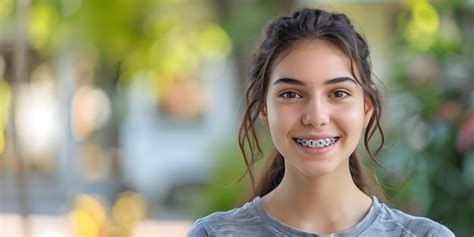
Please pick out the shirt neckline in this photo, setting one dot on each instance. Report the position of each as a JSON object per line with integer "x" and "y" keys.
{"x": 369, "y": 218}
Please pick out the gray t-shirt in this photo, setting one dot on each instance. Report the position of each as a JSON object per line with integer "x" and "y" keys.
{"x": 252, "y": 220}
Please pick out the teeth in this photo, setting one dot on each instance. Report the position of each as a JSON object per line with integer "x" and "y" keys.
{"x": 316, "y": 143}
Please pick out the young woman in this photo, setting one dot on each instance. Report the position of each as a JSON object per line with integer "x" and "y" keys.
{"x": 311, "y": 86}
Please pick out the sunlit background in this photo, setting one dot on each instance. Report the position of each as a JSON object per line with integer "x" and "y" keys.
{"x": 119, "y": 118}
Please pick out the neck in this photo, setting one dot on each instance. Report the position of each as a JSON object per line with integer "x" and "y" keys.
{"x": 323, "y": 204}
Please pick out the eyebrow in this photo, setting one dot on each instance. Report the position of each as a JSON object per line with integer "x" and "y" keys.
{"x": 293, "y": 81}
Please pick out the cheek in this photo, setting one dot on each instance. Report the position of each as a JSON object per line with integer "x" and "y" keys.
{"x": 352, "y": 117}
{"x": 281, "y": 118}
{"x": 276, "y": 118}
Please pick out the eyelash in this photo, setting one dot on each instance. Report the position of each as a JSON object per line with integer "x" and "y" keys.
{"x": 295, "y": 95}
{"x": 346, "y": 94}
{"x": 285, "y": 95}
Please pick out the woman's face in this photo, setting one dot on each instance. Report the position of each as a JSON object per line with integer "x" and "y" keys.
{"x": 315, "y": 109}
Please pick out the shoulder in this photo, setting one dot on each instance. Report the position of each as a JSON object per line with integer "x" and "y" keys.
{"x": 232, "y": 221}
{"x": 198, "y": 229}
{"x": 394, "y": 220}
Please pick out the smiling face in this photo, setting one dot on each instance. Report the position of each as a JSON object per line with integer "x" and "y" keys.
{"x": 315, "y": 108}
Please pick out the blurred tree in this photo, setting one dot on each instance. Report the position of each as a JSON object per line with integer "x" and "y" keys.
{"x": 165, "y": 37}
{"x": 164, "y": 40}
{"x": 432, "y": 163}
{"x": 111, "y": 43}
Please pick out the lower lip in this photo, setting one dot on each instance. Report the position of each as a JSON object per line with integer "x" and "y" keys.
{"x": 313, "y": 151}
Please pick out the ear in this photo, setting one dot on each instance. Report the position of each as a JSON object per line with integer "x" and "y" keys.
{"x": 263, "y": 115}
{"x": 368, "y": 110}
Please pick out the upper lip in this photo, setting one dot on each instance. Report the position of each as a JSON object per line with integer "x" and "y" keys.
{"x": 315, "y": 137}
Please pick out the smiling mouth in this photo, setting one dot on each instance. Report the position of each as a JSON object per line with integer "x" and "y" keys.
{"x": 318, "y": 143}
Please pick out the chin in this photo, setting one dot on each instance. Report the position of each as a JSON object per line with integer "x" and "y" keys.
{"x": 317, "y": 170}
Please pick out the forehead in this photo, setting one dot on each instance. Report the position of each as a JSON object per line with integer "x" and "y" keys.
{"x": 311, "y": 60}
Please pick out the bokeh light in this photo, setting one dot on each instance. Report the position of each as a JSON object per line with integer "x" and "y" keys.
{"x": 425, "y": 17}
{"x": 87, "y": 216}
{"x": 41, "y": 25}
{"x": 90, "y": 110}
{"x": 129, "y": 209}
{"x": 37, "y": 116}
{"x": 423, "y": 26}
{"x": 214, "y": 43}
{"x": 184, "y": 99}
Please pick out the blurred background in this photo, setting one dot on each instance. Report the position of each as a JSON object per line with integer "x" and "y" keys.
{"x": 120, "y": 118}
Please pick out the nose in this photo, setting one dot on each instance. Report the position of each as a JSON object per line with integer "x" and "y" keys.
{"x": 316, "y": 113}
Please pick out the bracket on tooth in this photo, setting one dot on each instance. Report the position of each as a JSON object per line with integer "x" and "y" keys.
{"x": 316, "y": 143}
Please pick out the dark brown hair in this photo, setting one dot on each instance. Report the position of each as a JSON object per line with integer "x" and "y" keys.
{"x": 280, "y": 35}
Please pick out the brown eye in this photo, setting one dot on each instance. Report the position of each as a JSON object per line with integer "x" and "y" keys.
{"x": 289, "y": 95}
{"x": 340, "y": 94}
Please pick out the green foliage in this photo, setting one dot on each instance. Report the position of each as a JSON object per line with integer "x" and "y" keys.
{"x": 431, "y": 156}
{"x": 224, "y": 191}
{"x": 167, "y": 39}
